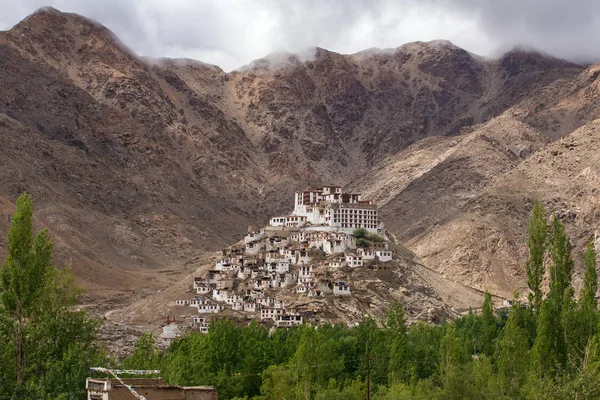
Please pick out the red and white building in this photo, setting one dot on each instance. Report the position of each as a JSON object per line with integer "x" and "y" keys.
{"x": 329, "y": 206}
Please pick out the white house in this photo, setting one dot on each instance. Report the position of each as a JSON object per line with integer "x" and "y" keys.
{"x": 209, "y": 307}
{"x": 301, "y": 288}
{"x": 366, "y": 254}
{"x": 384, "y": 255}
{"x": 244, "y": 273}
{"x": 282, "y": 266}
{"x": 305, "y": 271}
{"x": 277, "y": 221}
{"x": 341, "y": 289}
{"x": 301, "y": 257}
{"x": 199, "y": 320}
{"x": 352, "y": 260}
{"x": 339, "y": 244}
{"x": 223, "y": 264}
{"x": 253, "y": 248}
{"x": 335, "y": 263}
{"x": 169, "y": 333}
{"x": 270, "y": 313}
{"x": 288, "y": 320}
{"x": 182, "y": 302}
{"x": 254, "y": 236}
{"x": 203, "y": 288}
{"x": 197, "y": 281}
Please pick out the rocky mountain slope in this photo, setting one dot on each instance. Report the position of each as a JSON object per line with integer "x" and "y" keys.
{"x": 140, "y": 167}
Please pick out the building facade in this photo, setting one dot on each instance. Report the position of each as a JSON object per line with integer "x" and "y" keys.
{"x": 330, "y": 206}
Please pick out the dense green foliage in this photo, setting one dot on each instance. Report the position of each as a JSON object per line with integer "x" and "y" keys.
{"x": 45, "y": 346}
{"x": 364, "y": 238}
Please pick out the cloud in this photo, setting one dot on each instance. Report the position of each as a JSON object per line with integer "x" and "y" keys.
{"x": 231, "y": 33}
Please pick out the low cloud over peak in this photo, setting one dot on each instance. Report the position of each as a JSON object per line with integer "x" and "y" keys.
{"x": 232, "y": 33}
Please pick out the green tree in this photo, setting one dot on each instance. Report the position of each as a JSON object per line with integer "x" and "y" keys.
{"x": 396, "y": 326}
{"x": 277, "y": 383}
{"x": 362, "y": 242}
{"x": 453, "y": 354}
{"x": 360, "y": 233}
{"x": 49, "y": 344}
{"x": 24, "y": 277}
{"x": 561, "y": 271}
{"x": 587, "y": 297}
{"x": 549, "y": 350}
{"x": 550, "y": 346}
{"x": 537, "y": 250}
{"x": 145, "y": 355}
{"x": 488, "y": 325}
{"x": 512, "y": 363}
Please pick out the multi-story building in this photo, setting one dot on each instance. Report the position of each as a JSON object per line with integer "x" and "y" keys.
{"x": 331, "y": 207}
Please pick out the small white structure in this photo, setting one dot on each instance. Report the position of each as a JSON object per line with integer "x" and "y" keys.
{"x": 288, "y": 320}
{"x": 384, "y": 255}
{"x": 203, "y": 288}
{"x": 253, "y": 235}
{"x": 353, "y": 260}
{"x": 341, "y": 289}
{"x": 209, "y": 308}
{"x": 301, "y": 257}
{"x": 199, "y": 320}
{"x": 305, "y": 271}
{"x": 301, "y": 288}
{"x": 270, "y": 313}
{"x": 223, "y": 264}
{"x": 198, "y": 281}
{"x": 170, "y": 332}
{"x": 366, "y": 254}
{"x": 182, "y": 302}
{"x": 282, "y": 266}
{"x": 277, "y": 221}
{"x": 253, "y": 248}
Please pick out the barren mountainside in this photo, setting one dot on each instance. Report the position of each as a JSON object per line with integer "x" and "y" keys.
{"x": 141, "y": 167}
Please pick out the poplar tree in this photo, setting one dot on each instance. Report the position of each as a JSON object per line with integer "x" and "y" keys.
{"x": 396, "y": 326}
{"x": 512, "y": 362}
{"x": 561, "y": 272}
{"x": 488, "y": 325}
{"x": 537, "y": 249}
{"x": 587, "y": 297}
{"x": 23, "y": 277}
{"x": 550, "y": 346}
{"x": 582, "y": 319}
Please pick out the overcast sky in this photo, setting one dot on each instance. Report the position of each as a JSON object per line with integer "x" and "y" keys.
{"x": 232, "y": 33}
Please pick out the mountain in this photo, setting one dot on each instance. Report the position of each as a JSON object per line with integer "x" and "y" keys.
{"x": 142, "y": 167}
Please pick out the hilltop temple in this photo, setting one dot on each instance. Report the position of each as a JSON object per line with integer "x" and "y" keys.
{"x": 329, "y": 206}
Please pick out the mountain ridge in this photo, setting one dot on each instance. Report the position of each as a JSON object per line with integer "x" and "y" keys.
{"x": 175, "y": 158}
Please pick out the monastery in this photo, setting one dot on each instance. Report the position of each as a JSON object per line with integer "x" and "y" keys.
{"x": 328, "y": 235}
{"x": 328, "y": 208}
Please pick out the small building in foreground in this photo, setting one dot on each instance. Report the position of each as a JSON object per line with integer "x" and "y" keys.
{"x": 150, "y": 388}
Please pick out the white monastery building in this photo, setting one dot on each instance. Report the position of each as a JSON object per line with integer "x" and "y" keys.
{"x": 329, "y": 206}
